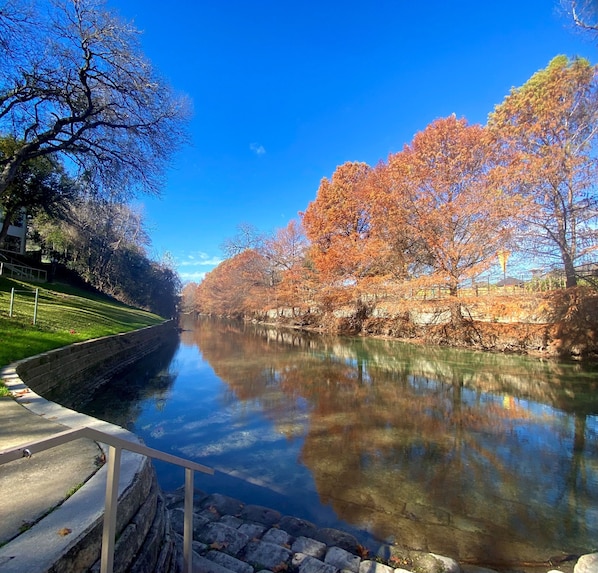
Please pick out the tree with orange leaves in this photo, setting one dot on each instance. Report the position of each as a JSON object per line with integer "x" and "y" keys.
{"x": 236, "y": 287}
{"x": 188, "y": 294}
{"x": 338, "y": 226}
{"x": 548, "y": 131}
{"x": 444, "y": 195}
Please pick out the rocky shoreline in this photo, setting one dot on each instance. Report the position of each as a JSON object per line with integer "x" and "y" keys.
{"x": 232, "y": 537}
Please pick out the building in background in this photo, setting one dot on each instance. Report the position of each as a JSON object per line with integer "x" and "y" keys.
{"x": 17, "y": 234}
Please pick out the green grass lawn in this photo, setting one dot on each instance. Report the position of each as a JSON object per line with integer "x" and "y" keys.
{"x": 64, "y": 315}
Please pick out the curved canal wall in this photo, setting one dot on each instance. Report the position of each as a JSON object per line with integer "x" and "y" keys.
{"x": 145, "y": 541}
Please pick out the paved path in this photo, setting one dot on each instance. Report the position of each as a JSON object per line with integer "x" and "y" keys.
{"x": 32, "y": 487}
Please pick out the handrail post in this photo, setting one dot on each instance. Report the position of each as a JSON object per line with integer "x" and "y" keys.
{"x": 35, "y": 306}
{"x": 109, "y": 531}
{"x": 188, "y": 523}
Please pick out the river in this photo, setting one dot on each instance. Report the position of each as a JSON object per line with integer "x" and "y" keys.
{"x": 487, "y": 458}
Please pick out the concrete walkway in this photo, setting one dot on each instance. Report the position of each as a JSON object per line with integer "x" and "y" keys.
{"x": 44, "y": 511}
{"x": 32, "y": 487}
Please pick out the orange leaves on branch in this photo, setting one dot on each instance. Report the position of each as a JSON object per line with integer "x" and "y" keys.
{"x": 547, "y": 129}
{"x": 338, "y": 224}
{"x": 447, "y": 199}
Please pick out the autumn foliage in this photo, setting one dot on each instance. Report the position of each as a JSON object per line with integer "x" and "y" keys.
{"x": 547, "y": 131}
{"x": 437, "y": 212}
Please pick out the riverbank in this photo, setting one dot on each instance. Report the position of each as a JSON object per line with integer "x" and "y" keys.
{"x": 232, "y": 537}
{"x": 556, "y": 324}
{"x": 63, "y": 315}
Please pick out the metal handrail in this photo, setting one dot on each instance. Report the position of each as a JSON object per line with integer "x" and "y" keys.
{"x": 23, "y": 271}
{"x": 116, "y": 445}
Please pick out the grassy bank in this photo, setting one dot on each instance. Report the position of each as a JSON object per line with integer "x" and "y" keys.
{"x": 64, "y": 315}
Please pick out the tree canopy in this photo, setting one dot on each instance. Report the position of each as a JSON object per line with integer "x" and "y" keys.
{"x": 39, "y": 184}
{"x": 74, "y": 83}
{"x": 547, "y": 129}
{"x": 446, "y": 197}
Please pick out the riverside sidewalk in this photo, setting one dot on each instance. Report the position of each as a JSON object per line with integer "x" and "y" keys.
{"x": 33, "y": 487}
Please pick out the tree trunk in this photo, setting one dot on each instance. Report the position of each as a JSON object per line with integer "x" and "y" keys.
{"x": 570, "y": 277}
{"x": 5, "y": 225}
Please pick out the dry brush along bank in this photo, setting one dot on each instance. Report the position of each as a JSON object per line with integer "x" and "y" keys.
{"x": 560, "y": 324}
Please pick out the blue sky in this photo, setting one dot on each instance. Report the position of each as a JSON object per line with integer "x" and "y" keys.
{"x": 285, "y": 91}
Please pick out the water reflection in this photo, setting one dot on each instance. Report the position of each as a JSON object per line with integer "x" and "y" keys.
{"x": 483, "y": 457}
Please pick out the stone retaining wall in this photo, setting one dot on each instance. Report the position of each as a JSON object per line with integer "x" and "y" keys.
{"x": 145, "y": 542}
{"x": 81, "y": 368}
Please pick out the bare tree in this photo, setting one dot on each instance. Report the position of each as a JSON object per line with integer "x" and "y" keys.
{"x": 584, "y": 13}
{"x": 247, "y": 237}
{"x": 73, "y": 82}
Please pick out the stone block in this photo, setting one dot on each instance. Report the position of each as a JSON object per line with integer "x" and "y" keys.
{"x": 252, "y": 530}
{"x": 308, "y": 564}
{"x": 267, "y": 555}
{"x": 218, "y": 535}
{"x": 229, "y": 562}
{"x": 298, "y": 527}
{"x": 309, "y": 546}
{"x": 205, "y": 565}
{"x": 342, "y": 559}
{"x": 277, "y": 536}
{"x": 260, "y": 514}
{"x": 587, "y": 564}
{"x": 449, "y": 565}
{"x": 231, "y": 521}
{"x": 374, "y": 567}
{"x": 335, "y": 537}
{"x": 177, "y": 517}
{"x": 223, "y": 504}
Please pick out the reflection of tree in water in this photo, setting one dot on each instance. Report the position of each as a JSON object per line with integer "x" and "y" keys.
{"x": 434, "y": 447}
{"x": 252, "y": 368}
{"x": 119, "y": 401}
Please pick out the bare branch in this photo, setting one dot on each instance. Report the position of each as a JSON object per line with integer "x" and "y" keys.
{"x": 86, "y": 92}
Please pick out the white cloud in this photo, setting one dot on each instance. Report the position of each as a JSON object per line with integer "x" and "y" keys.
{"x": 257, "y": 148}
{"x": 192, "y": 267}
{"x": 205, "y": 261}
{"x": 195, "y": 277}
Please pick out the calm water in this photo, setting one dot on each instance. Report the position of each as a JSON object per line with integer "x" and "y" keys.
{"x": 481, "y": 457}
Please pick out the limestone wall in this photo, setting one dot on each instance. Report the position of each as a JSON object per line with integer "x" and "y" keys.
{"x": 80, "y": 369}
